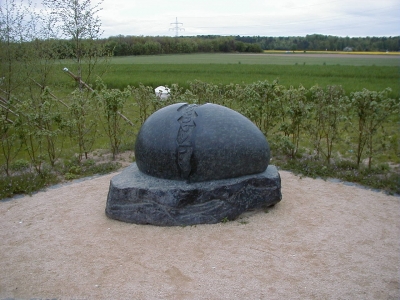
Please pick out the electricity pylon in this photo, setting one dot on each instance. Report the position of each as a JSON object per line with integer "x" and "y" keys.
{"x": 177, "y": 28}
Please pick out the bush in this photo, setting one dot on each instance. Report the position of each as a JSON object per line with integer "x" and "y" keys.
{"x": 25, "y": 183}
{"x": 378, "y": 177}
{"x": 19, "y": 165}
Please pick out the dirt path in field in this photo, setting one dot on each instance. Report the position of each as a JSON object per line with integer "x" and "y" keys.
{"x": 324, "y": 240}
{"x": 341, "y": 55}
{"x": 331, "y": 55}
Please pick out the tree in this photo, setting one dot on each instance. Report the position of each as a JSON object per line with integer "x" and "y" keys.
{"x": 17, "y": 23}
{"x": 371, "y": 109}
{"x": 296, "y": 113}
{"x": 16, "y": 30}
{"x": 328, "y": 108}
{"x": 112, "y": 101}
{"x": 78, "y": 20}
{"x": 39, "y": 125}
{"x": 259, "y": 102}
{"x": 82, "y": 121}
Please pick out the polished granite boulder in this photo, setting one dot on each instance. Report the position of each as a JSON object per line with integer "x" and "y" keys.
{"x": 200, "y": 143}
{"x": 194, "y": 164}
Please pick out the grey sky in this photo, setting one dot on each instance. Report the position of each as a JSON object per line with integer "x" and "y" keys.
{"x": 252, "y": 17}
{"x": 353, "y": 18}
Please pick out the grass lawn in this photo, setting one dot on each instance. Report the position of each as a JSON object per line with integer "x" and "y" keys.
{"x": 353, "y": 72}
{"x": 264, "y": 59}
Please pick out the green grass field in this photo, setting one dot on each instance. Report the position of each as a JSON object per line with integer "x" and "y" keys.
{"x": 353, "y": 72}
{"x": 263, "y": 59}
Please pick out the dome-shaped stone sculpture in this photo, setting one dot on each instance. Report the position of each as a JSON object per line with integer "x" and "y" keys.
{"x": 194, "y": 164}
{"x": 200, "y": 143}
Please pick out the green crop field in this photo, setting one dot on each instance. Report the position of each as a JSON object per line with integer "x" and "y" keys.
{"x": 263, "y": 59}
{"x": 353, "y": 72}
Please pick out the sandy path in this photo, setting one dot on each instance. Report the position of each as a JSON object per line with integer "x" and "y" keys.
{"x": 297, "y": 54}
{"x": 324, "y": 240}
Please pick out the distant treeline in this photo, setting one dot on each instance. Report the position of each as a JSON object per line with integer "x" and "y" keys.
{"x": 147, "y": 45}
{"x": 153, "y": 45}
{"x": 319, "y": 42}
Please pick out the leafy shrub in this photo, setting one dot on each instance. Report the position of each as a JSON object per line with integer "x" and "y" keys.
{"x": 378, "y": 177}
{"x": 19, "y": 165}
{"x": 25, "y": 183}
{"x": 90, "y": 167}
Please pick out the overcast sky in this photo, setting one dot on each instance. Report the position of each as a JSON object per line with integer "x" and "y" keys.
{"x": 252, "y": 17}
{"x": 353, "y": 18}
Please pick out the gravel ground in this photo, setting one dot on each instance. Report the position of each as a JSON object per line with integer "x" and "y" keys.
{"x": 324, "y": 240}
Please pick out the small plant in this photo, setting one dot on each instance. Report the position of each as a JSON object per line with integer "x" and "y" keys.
{"x": 88, "y": 163}
{"x": 103, "y": 168}
{"x": 19, "y": 165}
{"x": 25, "y": 183}
{"x": 70, "y": 176}
{"x": 225, "y": 220}
{"x": 75, "y": 170}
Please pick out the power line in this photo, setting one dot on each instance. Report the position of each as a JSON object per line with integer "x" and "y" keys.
{"x": 177, "y": 28}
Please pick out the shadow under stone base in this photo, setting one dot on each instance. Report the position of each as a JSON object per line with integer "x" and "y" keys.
{"x": 135, "y": 197}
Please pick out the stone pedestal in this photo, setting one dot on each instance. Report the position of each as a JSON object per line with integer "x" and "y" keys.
{"x": 135, "y": 197}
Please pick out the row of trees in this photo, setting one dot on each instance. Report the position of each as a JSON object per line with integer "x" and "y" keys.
{"x": 139, "y": 45}
{"x": 321, "y": 42}
{"x": 293, "y": 118}
{"x": 148, "y": 45}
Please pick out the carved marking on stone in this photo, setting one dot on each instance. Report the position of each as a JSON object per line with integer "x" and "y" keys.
{"x": 185, "y": 147}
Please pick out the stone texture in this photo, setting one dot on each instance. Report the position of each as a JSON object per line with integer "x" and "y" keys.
{"x": 194, "y": 164}
{"x": 136, "y": 197}
{"x": 200, "y": 143}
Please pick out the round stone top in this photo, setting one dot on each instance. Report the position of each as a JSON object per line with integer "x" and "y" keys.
{"x": 200, "y": 143}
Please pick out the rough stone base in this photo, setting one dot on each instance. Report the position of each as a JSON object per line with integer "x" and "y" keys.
{"x": 135, "y": 197}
